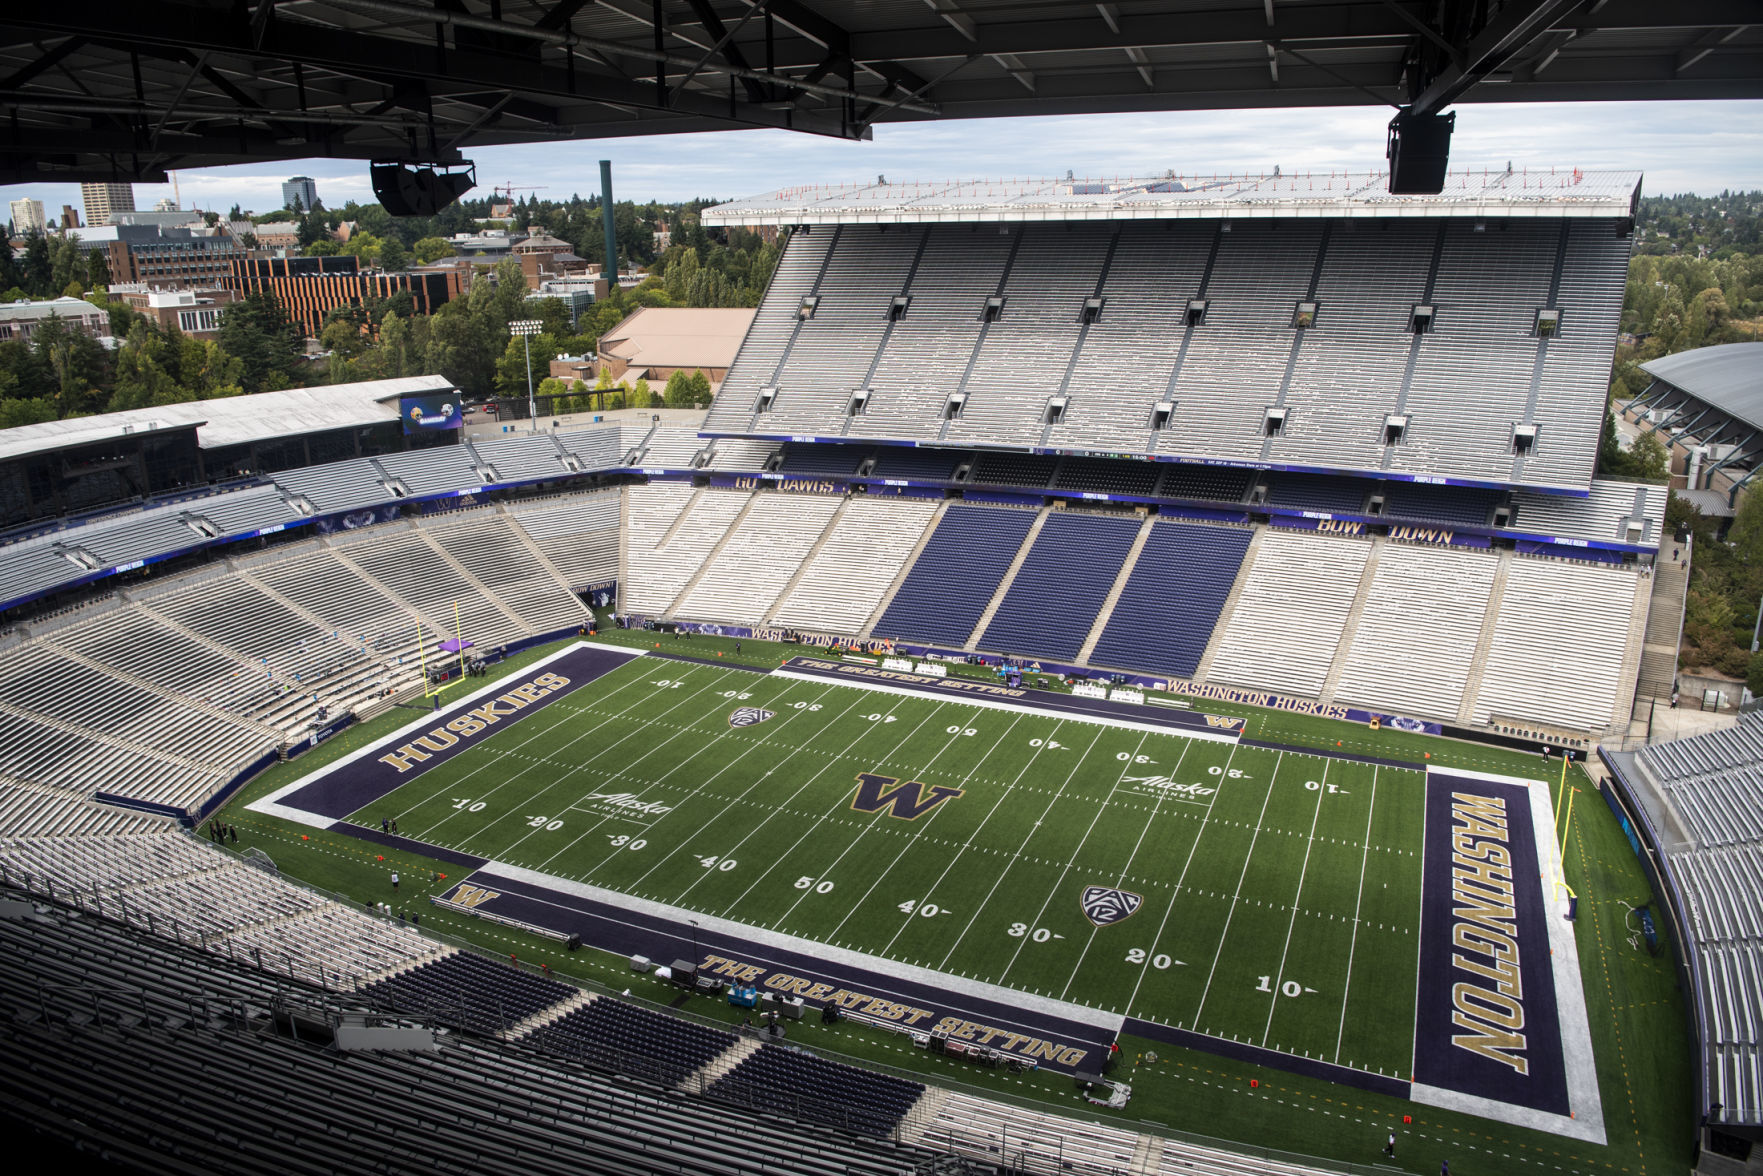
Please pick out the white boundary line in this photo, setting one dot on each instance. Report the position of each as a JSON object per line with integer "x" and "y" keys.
{"x": 1585, "y": 1120}
{"x": 271, "y": 805}
{"x": 1019, "y": 708}
{"x": 1359, "y": 905}
{"x": 814, "y": 950}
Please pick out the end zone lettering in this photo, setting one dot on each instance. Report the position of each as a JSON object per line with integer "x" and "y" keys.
{"x": 1485, "y": 931}
{"x": 473, "y": 721}
{"x": 1022, "y": 1044}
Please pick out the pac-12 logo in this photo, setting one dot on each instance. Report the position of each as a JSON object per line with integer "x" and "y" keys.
{"x": 908, "y": 801}
{"x": 1109, "y": 904}
{"x": 746, "y": 716}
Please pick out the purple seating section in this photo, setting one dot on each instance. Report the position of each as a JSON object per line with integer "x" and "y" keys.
{"x": 1166, "y": 613}
{"x": 1162, "y": 621}
{"x": 945, "y": 592}
{"x": 1052, "y": 603}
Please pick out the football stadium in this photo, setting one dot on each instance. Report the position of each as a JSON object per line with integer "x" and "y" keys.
{"x": 1129, "y": 676}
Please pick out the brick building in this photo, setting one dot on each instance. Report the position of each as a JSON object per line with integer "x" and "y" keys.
{"x": 311, "y": 287}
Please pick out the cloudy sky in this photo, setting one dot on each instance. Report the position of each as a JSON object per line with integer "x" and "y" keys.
{"x": 1700, "y": 147}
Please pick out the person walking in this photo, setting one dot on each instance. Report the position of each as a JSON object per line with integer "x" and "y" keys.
{"x": 394, "y": 881}
{"x": 1389, "y": 1149}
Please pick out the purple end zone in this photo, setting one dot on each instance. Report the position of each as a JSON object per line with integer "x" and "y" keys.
{"x": 1053, "y": 1042}
{"x": 1486, "y": 1022}
{"x": 351, "y": 786}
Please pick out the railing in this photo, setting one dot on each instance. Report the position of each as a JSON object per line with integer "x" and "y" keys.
{"x": 915, "y": 1128}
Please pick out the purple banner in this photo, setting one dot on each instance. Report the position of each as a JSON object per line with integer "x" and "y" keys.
{"x": 1486, "y": 1024}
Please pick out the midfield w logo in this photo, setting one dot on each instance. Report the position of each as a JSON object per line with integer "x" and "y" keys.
{"x": 468, "y": 895}
{"x": 908, "y": 801}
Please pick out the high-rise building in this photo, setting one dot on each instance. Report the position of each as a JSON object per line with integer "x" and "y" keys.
{"x": 27, "y": 216}
{"x": 104, "y": 200}
{"x": 165, "y": 204}
{"x": 70, "y": 217}
{"x": 301, "y": 189}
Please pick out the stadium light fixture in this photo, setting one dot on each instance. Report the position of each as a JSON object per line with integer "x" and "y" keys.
{"x": 526, "y": 329}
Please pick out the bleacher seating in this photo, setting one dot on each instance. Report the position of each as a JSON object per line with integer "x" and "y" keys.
{"x": 1317, "y": 492}
{"x": 1169, "y": 606}
{"x": 578, "y": 533}
{"x": 1462, "y": 505}
{"x": 833, "y": 461}
{"x": 1287, "y": 625}
{"x": 1338, "y": 380}
{"x": 1603, "y": 516}
{"x": 741, "y": 454}
{"x": 776, "y": 1078}
{"x": 409, "y": 565}
{"x": 489, "y": 546}
{"x": 955, "y": 575}
{"x": 1415, "y": 644}
{"x": 1106, "y": 477}
{"x": 528, "y": 458}
{"x": 671, "y": 447}
{"x": 758, "y": 558}
{"x": 1209, "y": 483}
{"x": 1013, "y": 469}
{"x": 672, "y": 529}
{"x": 468, "y": 991}
{"x": 924, "y": 465}
{"x": 1052, "y": 603}
{"x": 173, "y": 1061}
{"x": 843, "y": 584}
{"x": 614, "y": 1035}
{"x": 1559, "y": 644}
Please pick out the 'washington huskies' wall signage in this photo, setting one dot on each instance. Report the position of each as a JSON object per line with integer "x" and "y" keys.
{"x": 422, "y": 414}
{"x": 908, "y": 801}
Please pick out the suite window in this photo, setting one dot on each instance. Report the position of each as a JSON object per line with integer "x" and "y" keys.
{"x": 1548, "y": 323}
{"x": 1524, "y": 439}
{"x": 1274, "y": 423}
{"x": 1420, "y": 320}
{"x": 1092, "y": 311}
{"x": 952, "y": 410}
{"x": 1197, "y": 311}
{"x": 767, "y": 398}
{"x": 994, "y": 309}
{"x": 1304, "y": 316}
{"x": 1395, "y": 427}
{"x": 897, "y": 308}
{"x": 1161, "y": 412}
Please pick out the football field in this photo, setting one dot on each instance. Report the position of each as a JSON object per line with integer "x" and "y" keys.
{"x": 1260, "y": 896}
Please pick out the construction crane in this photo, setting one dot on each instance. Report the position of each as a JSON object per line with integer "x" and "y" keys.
{"x": 511, "y": 189}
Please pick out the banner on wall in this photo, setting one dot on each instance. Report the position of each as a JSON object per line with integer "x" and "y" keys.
{"x": 436, "y": 410}
{"x": 356, "y": 519}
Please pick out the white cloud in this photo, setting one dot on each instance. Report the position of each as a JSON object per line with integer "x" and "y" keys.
{"x": 1682, "y": 146}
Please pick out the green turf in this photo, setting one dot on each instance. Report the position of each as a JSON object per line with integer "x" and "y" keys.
{"x": 775, "y": 798}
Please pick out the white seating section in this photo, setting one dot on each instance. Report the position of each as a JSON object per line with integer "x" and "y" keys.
{"x": 1286, "y": 629}
{"x": 1724, "y": 888}
{"x": 844, "y": 583}
{"x": 35, "y": 810}
{"x": 493, "y": 550}
{"x": 407, "y": 565}
{"x": 1559, "y": 644}
{"x": 1604, "y": 516}
{"x": 1714, "y": 781}
{"x": 672, "y": 530}
{"x": 578, "y": 533}
{"x": 204, "y": 898}
{"x": 1414, "y": 647}
{"x": 742, "y": 582}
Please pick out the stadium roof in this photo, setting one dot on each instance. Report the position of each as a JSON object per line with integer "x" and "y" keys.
{"x": 1728, "y": 377}
{"x": 127, "y": 89}
{"x": 232, "y": 420}
{"x": 1555, "y": 192}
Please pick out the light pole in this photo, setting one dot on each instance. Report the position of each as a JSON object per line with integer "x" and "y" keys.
{"x": 526, "y": 329}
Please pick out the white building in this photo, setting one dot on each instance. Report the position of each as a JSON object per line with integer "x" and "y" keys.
{"x": 27, "y": 216}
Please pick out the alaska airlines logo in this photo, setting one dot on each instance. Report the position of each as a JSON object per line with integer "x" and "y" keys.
{"x": 908, "y": 801}
{"x": 1168, "y": 784}
{"x": 468, "y": 895}
{"x": 629, "y": 800}
{"x": 1103, "y": 905}
{"x": 746, "y": 716}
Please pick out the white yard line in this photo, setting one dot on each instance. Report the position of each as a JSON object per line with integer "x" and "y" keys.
{"x": 1157, "y": 939}
{"x": 1017, "y": 856}
{"x": 1346, "y": 991}
{"x": 495, "y": 758}
{"x": 1126, "y": 868}
{"x": 649, "y": 785}
{"x": 918, "y": 830}
{"x": 1059, "y": 882}
{"x": 852, "y": 844}
{"x": 803, "y": 787}
{"x": 645, "y": 724}
{"x": 1297, "y": 900}
{"x": 1235, "y": 898}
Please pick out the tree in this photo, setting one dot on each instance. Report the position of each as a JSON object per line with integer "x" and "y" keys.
{"x": 511, "y": 369}
{"x": 323, "y": 248}
{"x": 141, "y": 378}
{"x": 700, "y": 389}
{"x": 16, "y": 411}
{"x": 258, "y": 332}
{"x": 678, "y": 393}
{"x": 641, "y": 397}
{"x": 393, "y": 255}
{"x": 80, "y": 367}
{"x": 432, "y": 249}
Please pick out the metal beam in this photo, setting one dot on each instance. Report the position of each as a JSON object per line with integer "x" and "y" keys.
{"x": 1503, "y": 36}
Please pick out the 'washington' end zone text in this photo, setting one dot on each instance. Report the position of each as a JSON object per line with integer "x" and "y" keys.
{"x": 1491, "y": 1007}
